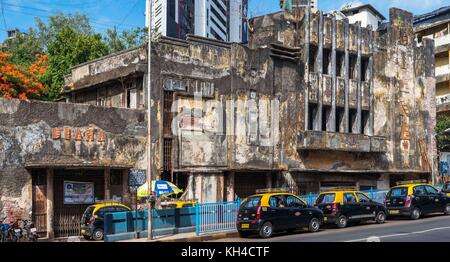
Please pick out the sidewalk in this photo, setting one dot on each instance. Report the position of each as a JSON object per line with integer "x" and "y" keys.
{"x": 187, "y": 237}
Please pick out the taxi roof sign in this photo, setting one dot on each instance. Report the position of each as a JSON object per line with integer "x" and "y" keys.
{"x": 412, "y": 182}
{"x": 273, "y": 190}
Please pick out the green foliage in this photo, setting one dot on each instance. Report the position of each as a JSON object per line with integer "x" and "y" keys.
{"x": 70, "y": 48}
{"x": 443, "y": 139}
{"x": 124, "y": 40}
{"x": 69, "y": 40}
{"x": 23, "y": 49}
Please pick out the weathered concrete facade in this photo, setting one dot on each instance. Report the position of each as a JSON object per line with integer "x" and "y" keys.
{"x": 56, "y": 139}
{"x": 311, "y": 103}
{"x": 355, "y": 106}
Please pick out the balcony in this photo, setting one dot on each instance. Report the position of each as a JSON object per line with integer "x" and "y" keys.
{"x": 442, "y": 70}
{"x": 329, "y": 141}
{"x": 440, "y": 100}
{"x": 443, "y": 40}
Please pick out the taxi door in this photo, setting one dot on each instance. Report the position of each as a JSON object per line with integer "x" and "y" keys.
{"x": 438, "y": 200}
{"x": 279, "y": 212}
{"x": 351, "y": 207}
{"x": 298, "y": 216}
{"x": 422, "y": 199}
{"x": 367, "y": 208}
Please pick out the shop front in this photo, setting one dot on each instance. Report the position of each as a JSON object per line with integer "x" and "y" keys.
{"x": 62, "y": 194}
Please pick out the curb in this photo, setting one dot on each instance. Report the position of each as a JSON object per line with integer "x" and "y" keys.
{"x": 203, "y": 238}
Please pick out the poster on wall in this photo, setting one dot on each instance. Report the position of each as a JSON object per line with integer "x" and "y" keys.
{"x": 78, "y": 192}
{"x": 136, "y": 177}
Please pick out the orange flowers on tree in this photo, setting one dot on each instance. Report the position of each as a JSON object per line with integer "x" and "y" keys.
{"x": 19, "y": 82}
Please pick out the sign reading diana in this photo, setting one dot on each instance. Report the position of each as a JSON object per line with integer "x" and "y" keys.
{"x": 79, "y": 134}
{"x": 78, "y": 193}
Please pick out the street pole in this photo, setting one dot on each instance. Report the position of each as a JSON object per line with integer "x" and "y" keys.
{"x": 149, "y": 114}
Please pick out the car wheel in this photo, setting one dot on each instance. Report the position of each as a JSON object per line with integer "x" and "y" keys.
{"x": 97, "y": 235}
{"x": 243, "y": 234}
{"x": 266, "y": 230}
{"x": 314, "y": 225}
{"x": 341, "y": 221}
{"x": 415, "y": 213}
{"x": 381, "y": 217}
{"x": 447, "y": 209}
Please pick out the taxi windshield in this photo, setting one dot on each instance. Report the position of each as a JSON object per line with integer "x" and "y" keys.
{"x": 326, "y": 198}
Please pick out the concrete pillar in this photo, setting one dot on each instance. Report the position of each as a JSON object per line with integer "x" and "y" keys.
{"x": 307, "y": 69}
{"x": 319, "y": 67}
{"x": 50, "y": 198}
{"x": 290, "y": 182}
{"x": 229, "y": 181}
{"x": 107, "y": 183}
{"x": 371, "y": 85}
{"x": 346, "y": 76}
{"x": 358, "y": 87}
{"x": 269, "y": 180}
{"x": 190, "y": 189}
{"x": 198, "y": 182}
{"x": 331, "y": 123}
{"x": 125, "y": 189}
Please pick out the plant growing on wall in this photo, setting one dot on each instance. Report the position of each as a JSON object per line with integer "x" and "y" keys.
{"x": 19, "y": 81}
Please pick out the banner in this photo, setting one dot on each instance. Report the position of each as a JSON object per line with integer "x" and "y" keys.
{"x": 78, "y": 193}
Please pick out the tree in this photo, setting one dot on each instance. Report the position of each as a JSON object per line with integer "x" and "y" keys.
{"x": 69, "y": 40}
{"x": 442, "y": 138}
{"x": 21, "y": 82}
{"x": 23, "y": 48}
{"x": 124, "y": 40}
{"x": 68, "y": 49}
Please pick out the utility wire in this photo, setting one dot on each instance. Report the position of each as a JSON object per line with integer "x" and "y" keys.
{"x": 129, "y": 13}
{"x": 3, "y": 14}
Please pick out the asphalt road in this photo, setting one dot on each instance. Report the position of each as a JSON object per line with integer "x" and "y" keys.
{"x": 434, "y": 228}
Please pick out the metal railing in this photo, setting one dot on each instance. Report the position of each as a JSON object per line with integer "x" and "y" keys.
{"x": 216, "y": 217}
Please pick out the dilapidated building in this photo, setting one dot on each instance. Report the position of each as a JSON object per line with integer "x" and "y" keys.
{"x": 312, "y": 102}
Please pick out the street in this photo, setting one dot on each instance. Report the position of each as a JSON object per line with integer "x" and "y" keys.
{"x": 435, "y": 228}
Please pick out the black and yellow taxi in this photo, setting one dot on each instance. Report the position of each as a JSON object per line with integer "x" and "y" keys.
{"x": 177, "y": 204}
{"x": 343, "y": 205}
{"x": 415, "y": 199}
{"x": 273, "y": 210}
{"x": 446, "y": 188}
{"x": 92, "y": 221}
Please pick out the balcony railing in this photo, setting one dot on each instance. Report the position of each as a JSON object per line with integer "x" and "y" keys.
{"x": 440, "y": 100}
{"x": 442, "y": 70}
{"x": 443, "y": 40}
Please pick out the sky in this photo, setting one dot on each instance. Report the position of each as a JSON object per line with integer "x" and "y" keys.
{"x": 126, "y": 14}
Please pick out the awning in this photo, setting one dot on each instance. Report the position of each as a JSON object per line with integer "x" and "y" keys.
{"x": 83, "y": 165}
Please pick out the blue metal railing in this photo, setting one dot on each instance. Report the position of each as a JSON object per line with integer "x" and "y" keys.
{"x": 216, "y": 217}
{"x": 205, "y": 217}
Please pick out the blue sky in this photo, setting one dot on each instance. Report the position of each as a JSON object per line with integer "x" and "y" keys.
{"x": 130, "y": 13}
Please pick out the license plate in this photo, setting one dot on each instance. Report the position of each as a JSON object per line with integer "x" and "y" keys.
{"x": 33, "y": 230}
{"x": 82, "y": 231}
{"x": 245, "y": 226}
{"x": 394, "y": 211}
